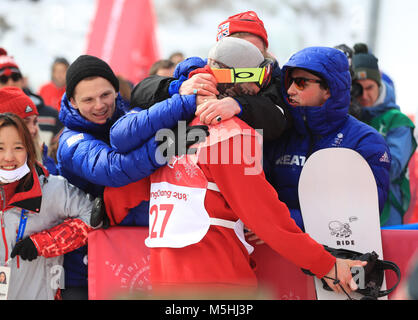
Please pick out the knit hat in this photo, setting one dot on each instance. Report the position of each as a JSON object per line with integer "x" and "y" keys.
{"x": 7, "y": 63}
{"x": 88, "y": 66}
{"x": 14, "y": 100}
{"x": 365, "y": 67}
{"x": 236, "y": 53}
{"x": 243, "y": 22}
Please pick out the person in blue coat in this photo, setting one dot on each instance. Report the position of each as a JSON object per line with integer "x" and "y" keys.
{"x": 380, "y": 110}
{"x": 89, "y": 108}
{"x": 317, "y": 85}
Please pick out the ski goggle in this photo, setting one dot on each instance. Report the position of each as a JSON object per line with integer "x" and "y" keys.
{"x": 261, "y": 76}
{"x": 8, "y": 73}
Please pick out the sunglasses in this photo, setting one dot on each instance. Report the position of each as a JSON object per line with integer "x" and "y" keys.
{"x": 14, "y": 76}
{"x": 301, "y": 83}
{"x": 261, "y": 76}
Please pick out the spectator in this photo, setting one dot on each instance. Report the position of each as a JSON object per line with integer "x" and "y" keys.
{"x": 52, "y": 91}
{"x": 379, "y": 110}
{"x": 45, "y": 232}
{"x": 89, "y": 108}
{"x": 176, "y": 57}
{"x": 317, "y": 86}
{"x": 163, "y": 68}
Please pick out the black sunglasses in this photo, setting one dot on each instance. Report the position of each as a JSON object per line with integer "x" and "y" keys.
{"x": 15, "y": 77}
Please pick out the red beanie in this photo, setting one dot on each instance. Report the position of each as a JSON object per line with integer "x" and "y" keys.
{"x": 8, "y": 63}
{"x": 243, "y": 22}
{"x": 14, "y": 100}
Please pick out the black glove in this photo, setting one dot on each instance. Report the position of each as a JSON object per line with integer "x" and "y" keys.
{"x": 25, "y": 249}
{"x": 98, "y": 214}
{"x": 178, "y": 143}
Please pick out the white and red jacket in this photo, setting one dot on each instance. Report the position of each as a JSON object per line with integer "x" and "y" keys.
{"x": 198, "y": 204}
{"x": 58, "y": 221}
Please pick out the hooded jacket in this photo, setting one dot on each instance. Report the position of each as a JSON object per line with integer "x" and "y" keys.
{"x": 58, "y": 221}
{"x": 397, "y": 130}
{"x": 326, "y": 126}
{"x": 87, "y": 160}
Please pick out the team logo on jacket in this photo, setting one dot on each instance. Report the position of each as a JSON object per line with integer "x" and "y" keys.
{"x": 73, "y": 139}
{"x": 290, "y": 160}
{"x": 338, "y": 140}
{"x": 385, "y": 158}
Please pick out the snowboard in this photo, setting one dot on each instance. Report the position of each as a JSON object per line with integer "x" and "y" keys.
{"x": 339, "y": 206}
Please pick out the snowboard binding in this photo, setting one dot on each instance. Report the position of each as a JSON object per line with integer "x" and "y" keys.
{"x": 373, "y": 273}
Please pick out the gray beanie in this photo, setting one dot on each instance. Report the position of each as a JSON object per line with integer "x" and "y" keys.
{"x": 236, "y": 53}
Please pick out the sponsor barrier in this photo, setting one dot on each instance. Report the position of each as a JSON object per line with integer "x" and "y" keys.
{"x": 118, "y": 264}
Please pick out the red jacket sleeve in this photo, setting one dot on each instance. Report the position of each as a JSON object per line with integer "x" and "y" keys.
{"x": 119, "y": 200}
{"x": 256, "y": 203}
{"x": 63, "y": 238}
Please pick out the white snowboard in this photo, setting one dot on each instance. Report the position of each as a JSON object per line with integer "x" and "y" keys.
{"x": 339, "y": 205}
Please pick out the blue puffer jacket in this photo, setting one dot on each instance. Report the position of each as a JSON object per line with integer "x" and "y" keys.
{"x": 128, "y": 132}
{"x": 322, "y": 127}
{"x": 87, "y": 160}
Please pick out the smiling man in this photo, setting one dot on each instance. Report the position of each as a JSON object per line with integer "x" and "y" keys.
{"x": 89, "y": 108}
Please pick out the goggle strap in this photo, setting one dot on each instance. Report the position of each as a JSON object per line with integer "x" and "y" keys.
{"x": 262, "y": 76}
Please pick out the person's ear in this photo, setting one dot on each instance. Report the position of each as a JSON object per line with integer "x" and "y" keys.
{"x": 327, "y": 94}
{"x": 73, "y": 103}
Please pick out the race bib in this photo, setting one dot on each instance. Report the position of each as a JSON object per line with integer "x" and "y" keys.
{"x": 177, "y": 216}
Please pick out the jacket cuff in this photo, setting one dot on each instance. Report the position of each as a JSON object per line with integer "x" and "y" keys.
{"x": 323, "y": 264}
{"x": 63, "y": 238}
{"x": 175, "y": 85}
{"x": 35, "y": 242}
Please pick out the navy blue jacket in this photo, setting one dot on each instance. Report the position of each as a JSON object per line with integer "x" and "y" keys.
{"x": 326, "y": 126}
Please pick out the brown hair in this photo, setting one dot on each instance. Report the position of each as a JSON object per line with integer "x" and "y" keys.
{"x": 160, "y": 64}
{"x": 11, "y": 120}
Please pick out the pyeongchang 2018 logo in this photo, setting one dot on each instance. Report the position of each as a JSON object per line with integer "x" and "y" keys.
{"x": 342, "y": 232}
{"x": 133, "y": 278}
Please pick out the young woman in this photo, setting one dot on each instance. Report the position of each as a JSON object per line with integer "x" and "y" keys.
{"x": 42, "y": 216}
